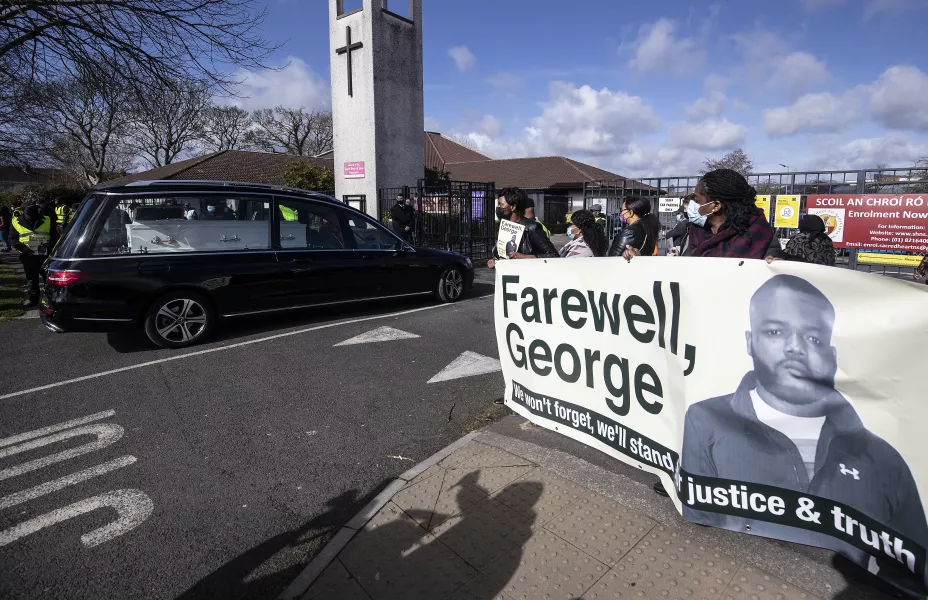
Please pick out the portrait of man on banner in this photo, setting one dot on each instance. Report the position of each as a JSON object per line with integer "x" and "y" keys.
{"x": 788, "y": 426}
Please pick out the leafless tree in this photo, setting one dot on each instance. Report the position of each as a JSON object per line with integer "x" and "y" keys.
{"x": 81, "y": 124}
{"x": 224, "y": 128}
{"x": 168, "y": 123}
{"x": 291, "y": 131}
{"x": 736, "y": 160}
{"x": 143, "y": 42}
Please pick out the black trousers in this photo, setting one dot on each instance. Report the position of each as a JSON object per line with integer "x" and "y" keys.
{"x": 32, "y": 266}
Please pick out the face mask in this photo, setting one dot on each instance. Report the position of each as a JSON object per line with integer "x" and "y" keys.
{"x": 680, "y": 218}
{"x": 692, "y": 214}
{"x": 501, "y": 213}
{"x": 570, "y": 233}
{"x": 211, "y": 209}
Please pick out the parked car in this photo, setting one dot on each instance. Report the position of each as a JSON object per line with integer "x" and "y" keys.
{"x": 173, "y": 258}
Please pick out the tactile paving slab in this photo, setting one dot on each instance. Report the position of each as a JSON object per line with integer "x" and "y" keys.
{"x": 487, "y": 479}
{"x": 470, "y": 450}
{"x": 427, "y": 474}
{"x": 394, "y": 558}
{"x": 419, "y": 499}
{"x": 668, "y": 564}
{"x": 613, "y": 587}
{"x": 335, "y": 582}
{"x": 545, "y": 567}
{"x": 753, "y": 584}
{"x": 484, "y": 531}
{"x": 556, "y": 495}
{"x": 600, "y": 527}
{"x": 491, "y": 457}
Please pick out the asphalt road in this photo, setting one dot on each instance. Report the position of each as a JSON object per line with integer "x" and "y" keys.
{"x": 217, "y": 474}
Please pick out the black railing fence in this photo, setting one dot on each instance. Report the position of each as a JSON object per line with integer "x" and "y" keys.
{"x": 450, "y": 215}
{"x": 903, "y": 180}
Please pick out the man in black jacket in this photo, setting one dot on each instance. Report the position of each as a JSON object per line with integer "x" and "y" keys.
{"x": 402, "y": 216}
{"x": 787, "y": 426}
{"x": 510, "y": 206}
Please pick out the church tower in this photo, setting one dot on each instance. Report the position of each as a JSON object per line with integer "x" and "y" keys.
{"x": 377, "y": 102}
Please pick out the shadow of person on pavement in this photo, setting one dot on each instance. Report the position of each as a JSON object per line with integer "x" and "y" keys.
{"x": 471, "y": 555}
{"x": 265, "y": 570}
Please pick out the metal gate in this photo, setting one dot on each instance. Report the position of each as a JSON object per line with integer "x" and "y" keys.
{"x": 459, "y": 216}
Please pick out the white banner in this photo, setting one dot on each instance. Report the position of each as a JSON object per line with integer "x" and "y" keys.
{"x": 781, "y": 400}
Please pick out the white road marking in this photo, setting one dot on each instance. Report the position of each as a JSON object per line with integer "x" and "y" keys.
{"x": 107, "y": 433}
{"x": 381, "y": 334}
{"x": 63, "y": 482}
{"x": 22, "y": 437}
{"x": 132, "y": 506}
{"x": 468, "y": 364}
{"x": 222, "y": 348}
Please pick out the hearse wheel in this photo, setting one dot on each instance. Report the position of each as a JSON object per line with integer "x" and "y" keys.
{"x": 179, "y": 319}
{"x": 451, "y": 285}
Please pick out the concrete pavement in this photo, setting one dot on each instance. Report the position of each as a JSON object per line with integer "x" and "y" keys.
{"x": 506, "y": 519}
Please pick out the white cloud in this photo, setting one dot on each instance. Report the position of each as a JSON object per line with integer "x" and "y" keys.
{"x": 659, "y": 49}
{"x": 432, "y": 124}
{"x": 823, "y": 112}
{"x": 710, "y": 106}
{"x": 893, "y": 149}
{"x": 899, "y": 99}
{"x": 713, "y": 134}
{"x": 463, "y": 57}
{"x": 798, "y": 72}
{"x": 645, "y": 160}
{"x": 892, "y": 8}
{"x": 294, "y": 85}
{"x": 505, "y": 81}
{"x": 575, "y": 121}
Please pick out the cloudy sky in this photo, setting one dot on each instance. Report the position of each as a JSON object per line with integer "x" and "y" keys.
{"x": 651, "y": 88}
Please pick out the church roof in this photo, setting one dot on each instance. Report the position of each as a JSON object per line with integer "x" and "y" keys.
{"x": 441, "y": 151}
{"x": 544, "y": 172}
{"x": 227, "y": 165}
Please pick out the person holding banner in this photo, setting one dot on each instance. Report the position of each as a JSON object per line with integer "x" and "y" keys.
{"x": 724, "y": 220}
{"x": 510, "y": 206}
{"x": 586, "y": 237}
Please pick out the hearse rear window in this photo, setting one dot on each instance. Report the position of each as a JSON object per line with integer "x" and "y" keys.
{"x": 176, "y": 224}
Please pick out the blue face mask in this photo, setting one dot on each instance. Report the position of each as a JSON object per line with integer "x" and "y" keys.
{"x": 570, "y": 232}
{"x": 692, "y": 214}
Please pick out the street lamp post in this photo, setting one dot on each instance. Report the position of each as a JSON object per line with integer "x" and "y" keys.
{"x": 788, "y": 172}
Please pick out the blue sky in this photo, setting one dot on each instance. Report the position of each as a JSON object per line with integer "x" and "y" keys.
{"x": 650, "y": 88}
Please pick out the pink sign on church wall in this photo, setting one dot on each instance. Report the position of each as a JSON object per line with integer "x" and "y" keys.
{"x": 354, "y": 170}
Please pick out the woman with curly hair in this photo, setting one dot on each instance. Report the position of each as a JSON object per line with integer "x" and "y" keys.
{"x": 586, "y": 236}
{"x": 724, "y": 220}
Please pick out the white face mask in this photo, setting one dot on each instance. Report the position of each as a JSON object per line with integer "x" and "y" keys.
{"x": 692, "y": 214}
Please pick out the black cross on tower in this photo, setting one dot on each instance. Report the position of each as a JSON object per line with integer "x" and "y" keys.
{"x": 348, "y": 49}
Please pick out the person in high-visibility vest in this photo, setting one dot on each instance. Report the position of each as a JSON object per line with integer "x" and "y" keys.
{"x": 597, "y": 210}
{"x": 32, "y": 232}
{"x": 62, "y": 215}
{"x": 530, "y": 214}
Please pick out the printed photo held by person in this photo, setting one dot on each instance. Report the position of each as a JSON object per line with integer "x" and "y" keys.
{"x": 510, "y": 206}
{"x": 586, "y": 237}
{"x": 724, "y": 220}
{"x": 641, "y": 230}
{"x": 787, "y": 426}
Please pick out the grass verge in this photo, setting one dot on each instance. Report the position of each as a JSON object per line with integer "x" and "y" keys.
{"x": 11, "y": 293}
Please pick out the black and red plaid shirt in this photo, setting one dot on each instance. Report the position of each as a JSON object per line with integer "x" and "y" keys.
{"x": 727, "y": 243}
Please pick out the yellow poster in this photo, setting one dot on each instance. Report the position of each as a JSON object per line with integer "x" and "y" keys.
{"x": 787, "y": 212}
{"x": 764, "y": 203}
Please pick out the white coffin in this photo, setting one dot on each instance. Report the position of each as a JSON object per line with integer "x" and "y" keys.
{"x": 204, "y": 236}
